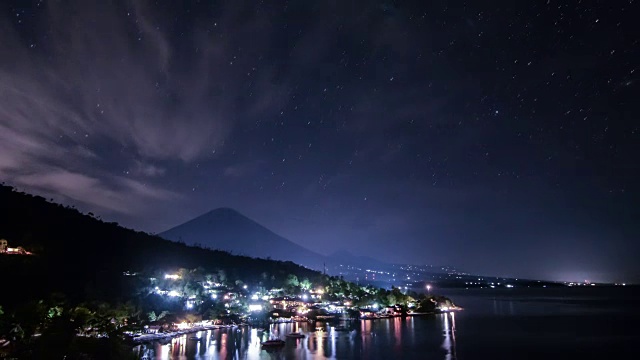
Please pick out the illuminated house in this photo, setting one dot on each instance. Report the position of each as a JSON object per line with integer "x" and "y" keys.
{"x": 286, "y": 303}
{"x": 391, "y": 311}
{"x": 5, "y": 249}
{"x": 368, "y": 313}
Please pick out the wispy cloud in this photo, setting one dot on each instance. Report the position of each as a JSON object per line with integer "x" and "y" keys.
{"x": 97, "y": 106}
{"x": 120, "y": 194}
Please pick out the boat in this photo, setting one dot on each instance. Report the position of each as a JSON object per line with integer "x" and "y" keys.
{"x": 296, "y": 335}
{"x": 273, "y": 343}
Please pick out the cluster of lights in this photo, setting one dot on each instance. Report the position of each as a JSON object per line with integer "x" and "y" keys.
{"x": 585, "y": 284}
{"x": 172, "y": 276}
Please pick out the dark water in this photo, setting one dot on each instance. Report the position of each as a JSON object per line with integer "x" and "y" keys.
{"x": 570, "y": 323}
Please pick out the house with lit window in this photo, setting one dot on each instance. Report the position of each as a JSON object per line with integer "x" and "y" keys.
{"x": 5, "y": 249}
{"x": 287, "y": 303}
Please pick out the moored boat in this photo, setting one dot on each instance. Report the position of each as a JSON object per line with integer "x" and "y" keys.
{"x": 273, "y": 343}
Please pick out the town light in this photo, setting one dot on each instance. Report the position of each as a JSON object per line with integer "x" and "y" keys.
{"x": 172, "y": 276}
{"x": 304, "y": 297}
{"x": 173, "y": 293}
{"x": 213, "y": 296}
{"x": 255, "y": 307}
{"x": 244, "y": 287}
{"x": 254, "y": 297}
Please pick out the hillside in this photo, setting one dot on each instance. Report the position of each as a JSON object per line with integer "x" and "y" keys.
{"x": 228, "y": 230}
{"x": 84, "y": 257}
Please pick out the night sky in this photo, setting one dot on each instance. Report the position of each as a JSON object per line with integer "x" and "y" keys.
{"x": 498, "y": 137}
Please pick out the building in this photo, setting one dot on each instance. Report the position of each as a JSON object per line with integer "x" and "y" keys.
{"x": 368, "y": 313}
{"x": 287, "y": 303}
{"x": 5, "y": 249}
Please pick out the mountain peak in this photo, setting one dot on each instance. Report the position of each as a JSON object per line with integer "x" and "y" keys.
{"x": 227, "y": 229}
{"x": 223, "y": 211}
{"x": 225, "y": 215}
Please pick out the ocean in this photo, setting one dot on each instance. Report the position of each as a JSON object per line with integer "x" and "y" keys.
{"x": 541, "y": 323}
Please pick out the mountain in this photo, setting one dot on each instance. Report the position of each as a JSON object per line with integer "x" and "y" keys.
{"x": 228, "y": 230}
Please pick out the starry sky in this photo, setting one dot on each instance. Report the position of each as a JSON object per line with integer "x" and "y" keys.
{"x": 501, "y": 138}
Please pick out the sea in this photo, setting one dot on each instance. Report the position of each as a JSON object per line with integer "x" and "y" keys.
{"x": 517, "y": 323}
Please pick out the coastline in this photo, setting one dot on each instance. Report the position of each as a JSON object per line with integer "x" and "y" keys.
{"x": 165, "y": 336}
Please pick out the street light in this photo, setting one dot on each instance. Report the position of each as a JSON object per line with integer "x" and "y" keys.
{"x": 429, "y": 289}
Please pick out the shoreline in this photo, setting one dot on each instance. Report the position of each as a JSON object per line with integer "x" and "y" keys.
{"x": 174, "y": 334}
{"x": 168, "y": 336}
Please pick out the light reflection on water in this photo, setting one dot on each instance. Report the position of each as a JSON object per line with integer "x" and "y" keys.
{"x": 449, "y": 343}
{"x": 366, "y": 339}
{"x": 545, "y": 324}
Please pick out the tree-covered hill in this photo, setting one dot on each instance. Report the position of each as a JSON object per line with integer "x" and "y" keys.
{"x": 84, "y": 257}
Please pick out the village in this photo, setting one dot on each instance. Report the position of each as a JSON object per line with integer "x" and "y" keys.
{"x": 241, "y": 305}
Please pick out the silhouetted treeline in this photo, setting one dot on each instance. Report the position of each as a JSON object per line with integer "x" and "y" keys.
{"x": 84, "y": 257}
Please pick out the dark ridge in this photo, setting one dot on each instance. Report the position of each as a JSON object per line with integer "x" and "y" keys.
{"x": 83, "y": 257}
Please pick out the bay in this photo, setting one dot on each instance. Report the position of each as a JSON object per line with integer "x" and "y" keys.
{"x": 553, "y": 323}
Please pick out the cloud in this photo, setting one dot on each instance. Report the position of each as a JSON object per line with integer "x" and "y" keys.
{"x": 101, "y": 90}
{"x": 122, "y": 195}
{"x": 148, "y": 170}
{"x": 102, "y": 82}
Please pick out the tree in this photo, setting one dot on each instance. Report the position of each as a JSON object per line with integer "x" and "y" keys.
{"x": 222, "y": 276}
{"x": 81, "y": 318}
{"x": 305, "y": 284}
{"x": 292, "y": 280}
{"x": 153, "y": 317}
